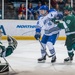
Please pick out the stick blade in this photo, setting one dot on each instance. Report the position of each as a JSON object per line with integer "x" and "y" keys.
{"x": 4, "y": 67}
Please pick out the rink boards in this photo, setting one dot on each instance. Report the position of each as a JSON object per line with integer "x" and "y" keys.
{"x": 22, "y": 29}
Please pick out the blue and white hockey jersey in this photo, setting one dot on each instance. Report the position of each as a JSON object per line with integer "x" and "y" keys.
{"x": 45, "y": 23}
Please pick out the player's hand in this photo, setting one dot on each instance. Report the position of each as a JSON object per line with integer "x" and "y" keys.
{"x": 37, "y": 35}
{"x": 57, "y": 21}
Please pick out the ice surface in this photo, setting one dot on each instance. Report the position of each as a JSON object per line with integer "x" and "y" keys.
{"x": 24, "y": 60}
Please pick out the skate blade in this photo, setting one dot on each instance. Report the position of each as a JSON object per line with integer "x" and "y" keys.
{"x": 53, "y": 63}
{"x": 41, "y": 61}
{"x": 68, "y": 62}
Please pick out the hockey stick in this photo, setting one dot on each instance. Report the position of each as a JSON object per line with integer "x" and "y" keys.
{"x": 9, "y": 64}
{"x": 43, "y": 48}
{"x": 28, "y": 32}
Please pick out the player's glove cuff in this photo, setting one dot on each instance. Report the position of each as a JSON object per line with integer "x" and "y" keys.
{"x": 37, "y": 35}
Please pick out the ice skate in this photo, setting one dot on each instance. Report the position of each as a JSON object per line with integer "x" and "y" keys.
{"x": 68, "y": 59}
{"x": 12, "y": 42}
{"x": 42, "y": 59}
{"x": 53, "y": 59}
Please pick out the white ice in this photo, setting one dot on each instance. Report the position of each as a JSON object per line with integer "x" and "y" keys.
{"x": 24, "y": 59}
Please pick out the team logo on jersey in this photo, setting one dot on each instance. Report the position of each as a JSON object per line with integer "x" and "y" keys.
{"x": 68, "y": 21}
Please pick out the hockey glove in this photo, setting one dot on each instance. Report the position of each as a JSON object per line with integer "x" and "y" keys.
{"x": 57, "y": 21}
{"x": 37, "y": 35}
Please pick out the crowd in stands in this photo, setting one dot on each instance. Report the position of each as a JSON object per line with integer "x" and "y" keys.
{"x": 12, "y": 12}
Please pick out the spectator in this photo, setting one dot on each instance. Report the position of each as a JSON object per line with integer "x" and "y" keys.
{"x": 69, "y": 1}
{"x": 61, "y": 5}
{"x": 10, "y": 12}
{"x": 36, "y": 10}
{"x": 0, "y": 11}
{"x": 53, "y": 3}
{"x": 67, "y": 4}
{"x": 44, "y": 2}
{"x": 60, "y": 13}
{"x": 22, "y": 12}
{"x": 30, "y": 12}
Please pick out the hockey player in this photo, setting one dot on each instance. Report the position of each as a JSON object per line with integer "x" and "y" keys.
{"x": 12, "y": 44}
{"x": 4, "y": 52}
{"x": 69, "y": 25}
{"x": 48, "y": 38}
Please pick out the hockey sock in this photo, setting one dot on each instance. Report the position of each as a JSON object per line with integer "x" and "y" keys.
{"x": 51, "y": 48}
{"x": 52, "y": 51}
{"x": 70, "y": 53}
{"x": 73, "y": 46}
{"x": 43, "y": 52}
{"x": 43, "y": 49}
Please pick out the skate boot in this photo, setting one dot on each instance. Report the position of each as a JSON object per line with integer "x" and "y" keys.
{"x": 68, "y": 59}
{"x": 53, "y": 59}
{"x": 12, "y": 42}
{"x": 42, "y": 59}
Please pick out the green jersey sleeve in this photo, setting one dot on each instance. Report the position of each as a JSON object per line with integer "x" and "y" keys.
{"x": 60, "y": 25}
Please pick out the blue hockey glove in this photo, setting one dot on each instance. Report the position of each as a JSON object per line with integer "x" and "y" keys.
{"x": 37, "y": 35}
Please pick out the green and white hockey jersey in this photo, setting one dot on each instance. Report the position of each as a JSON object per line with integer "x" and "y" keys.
{"x": 68, "y": 24}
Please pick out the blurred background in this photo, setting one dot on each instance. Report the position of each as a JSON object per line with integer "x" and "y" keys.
{"x": 29, "y": 9}
{"x": 21, "y": 15}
